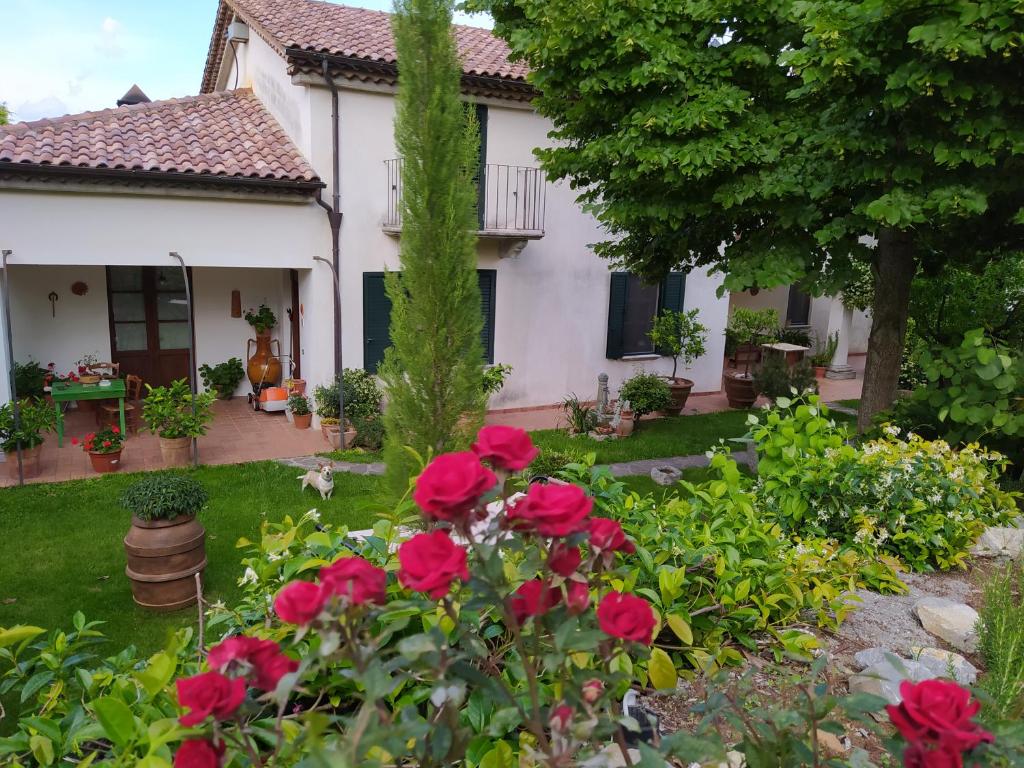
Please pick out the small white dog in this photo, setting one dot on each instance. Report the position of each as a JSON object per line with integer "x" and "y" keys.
{"x": 322, "y": 479}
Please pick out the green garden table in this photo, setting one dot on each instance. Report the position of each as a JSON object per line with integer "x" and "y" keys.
{"x": 62, "y": 391}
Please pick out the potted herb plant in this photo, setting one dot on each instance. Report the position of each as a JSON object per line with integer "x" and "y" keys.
{"x": 166, "y": 545}
{"x": 680, "y": 336}
{"x": 104, "y": 448}
{"x": 222, "y": 378}
{"x": 646, "y": 393}
{"x": 35, "y": 417}
{"x": 749, "y": 329}
{"x": 302, "y": 416}
{"x": 169, "y": 412}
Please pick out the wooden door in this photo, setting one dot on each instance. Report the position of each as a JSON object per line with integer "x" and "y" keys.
{"x": 149, "y": 322}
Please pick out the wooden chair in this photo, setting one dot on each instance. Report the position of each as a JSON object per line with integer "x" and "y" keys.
{"x": 109, "y": 414}
{"x": 106, "y": 370}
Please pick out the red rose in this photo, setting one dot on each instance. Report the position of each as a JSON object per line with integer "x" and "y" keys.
{"x": 451, "y": 485}
{"x": 261, "y": 661}
{"x": 209, "y": 694}
{"x": 533, "y": 598}
{"x": 626, "y": 616}
{"x": 429, "y": 562}
{"x": 592, "y": 690}
{"x": 199, "y": 753}
{"x": 552, "y": 510}
{"x": 561, "y": 718}
{"x": 919, "y": 756}
{"x": 564, "y": 560}
{"x": 577, "y": 597}
{"x": 607, "y": 536}
{"x": 505, "y": 447}
{"x": 355, "y": 579}
{"x": 299, "y": 602}
{"x": 939, "y": 712}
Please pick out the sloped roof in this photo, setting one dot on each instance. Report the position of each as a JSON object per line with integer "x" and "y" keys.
{"x": 339, "y": 30}
{"x": 228, "y": 135}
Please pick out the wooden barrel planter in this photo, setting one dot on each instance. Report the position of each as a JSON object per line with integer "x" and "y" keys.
{"x": 163, "y": 558}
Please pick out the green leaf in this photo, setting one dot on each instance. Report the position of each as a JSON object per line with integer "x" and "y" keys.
{"x": 18, "y": 633}
{"x": 116, "y": 719}
{"x": 661, "y": 670}
{"x": 34, "y": 683}
{"x": 500, "y": 756}
{"x": 157, "y": 674}
{"x": 42, "y": 749}
{"x": 680, "y": 627}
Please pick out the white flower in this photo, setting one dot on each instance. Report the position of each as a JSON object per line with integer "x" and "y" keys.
{"x": 273, "y": 557}
{"x": 891, "y": 430}
{"x": 249, "y": 577}
{"x": 313, "y": 515}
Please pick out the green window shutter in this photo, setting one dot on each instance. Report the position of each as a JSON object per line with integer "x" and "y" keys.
{"x": 673, "y": 289}
{"x": 481, "y": 175}
{"x": 488, "y": 279}
{"x": 616, "y": 315}
{"x": 376, "y": 320}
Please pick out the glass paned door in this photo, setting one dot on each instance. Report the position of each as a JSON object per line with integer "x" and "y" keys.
{"x": 128, "y": 310}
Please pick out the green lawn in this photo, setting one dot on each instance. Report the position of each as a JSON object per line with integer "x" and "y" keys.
{"x": 853, "y": 403}
{"x": 354, "y": 455}
{"x": 655, "y": 439}
{"x": 63, "y": 548}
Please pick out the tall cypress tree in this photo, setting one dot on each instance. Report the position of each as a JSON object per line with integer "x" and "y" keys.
{"x": 433, "y": 368}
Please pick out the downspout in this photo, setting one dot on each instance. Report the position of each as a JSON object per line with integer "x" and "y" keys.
{"x": 12, "y": 382}
{"x": 334, "y": 218}
{"x": 191, "y": 351}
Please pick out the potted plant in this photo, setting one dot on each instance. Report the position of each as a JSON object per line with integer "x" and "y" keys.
{"x": 748, "y": 328}
{"x": 295, "y": 385}
{"x": 86, "y": 375}
{"x": 166, "y": 545}
{"x": 823, "y": 357}
{"x": 222, "y": 378}
{"x": 169, "y": 412}
{"x": 34, "y": 418}
{"x": 626, "y": 419}
{"x": 104, "y": 448}
{"x": 678, "y": 335}
{"x": 302, "y": 417}
{"x": 263, "y": 366}
{"x": 646, "y": 393}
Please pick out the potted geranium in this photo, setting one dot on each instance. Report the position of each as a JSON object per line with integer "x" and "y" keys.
{"x": 166, "y": 545}
{"x": 749, "y": 329}
{"x": 302, "y": 416}
{"x": 104, "y": 448}
{"x": 171, "y": 413}
{"x": 33, "y": 419}
{"x": 678, "y": 335}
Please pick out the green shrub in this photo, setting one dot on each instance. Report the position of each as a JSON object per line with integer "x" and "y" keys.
{"x": 369, "y": 432}
{"x": 580, "y": 416}
{"x": 29, "y": 379}
{"x": 222, "y": 378}
{"x": 918, "y": 500}
{"x": 1001, "y": 635}
{"x": 362, "y": 396}
{"x": 646, "y": 393}
{"x": 162, "y": 496}
{"x": 174, "y": 412}
{"x": 776, "y": 378}
{"x": 494, "y": 378}
{"x": 298, "y": 404}
{"x": 35, "y": 418}
{"x": 799, "y": 336}
{"x": 551, "y": 463}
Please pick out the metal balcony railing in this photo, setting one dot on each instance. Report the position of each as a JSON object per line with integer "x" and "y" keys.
{"x": 510, "y": 201}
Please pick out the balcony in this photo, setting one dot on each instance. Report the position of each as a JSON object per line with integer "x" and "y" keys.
{"x": 510, "y": 206}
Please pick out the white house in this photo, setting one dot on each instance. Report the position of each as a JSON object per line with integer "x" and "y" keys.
{"x": 240, "y": 182}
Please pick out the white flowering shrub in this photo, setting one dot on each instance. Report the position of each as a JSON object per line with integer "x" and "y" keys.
{"x": 916, "y": 499}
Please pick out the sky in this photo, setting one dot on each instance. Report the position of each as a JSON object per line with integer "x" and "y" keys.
{"x": 64, "y": 56}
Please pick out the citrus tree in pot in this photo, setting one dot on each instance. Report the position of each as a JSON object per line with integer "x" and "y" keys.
{"x": 170, "y": 413}
{"x": 749, "y": 329}
{"x": 166, "y": 545}
{"x": 33, "y": 419}
{"x": 680, "y": 336}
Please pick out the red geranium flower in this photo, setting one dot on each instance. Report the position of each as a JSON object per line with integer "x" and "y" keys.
{"x": 74, "y": 441}
{"x": 260, "y": 661}
{"x": 299, "y": 602}
{"x": 533, "y": 598}
{"x": 355, "y": 579}
{"x": 106, "y": 443}
{"x": 116, "y": 430}
{"x": 199, "y": 753}
{"x": 627, "y": 617}
{"x": 210, "y": 693}
{"x": 430, "y": 562}
{"x": 552, "y": 510}
{"x": 451, "y": 485}
{"x": 505, "y": 447}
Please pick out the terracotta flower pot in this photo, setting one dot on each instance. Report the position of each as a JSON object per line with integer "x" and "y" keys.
{"x": 298, "y": 386}
{"x": 29, "y": 461}
{"x": 626, "y": 424}
{"x": 163, "y": 558}
{"x": 819, "y": 371}
{"x": 105, "y": 462}
{"x": 175, "y": 450}
{"x": 350, "y": 437}
{"x": 739, "y": 390}
{"x": 680, "y": 389}
{"x": 302, "y": 421}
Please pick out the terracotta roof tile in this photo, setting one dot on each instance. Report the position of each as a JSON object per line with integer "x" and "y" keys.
{"x": 326, "y": 27}
{"x": 228, "y": 133}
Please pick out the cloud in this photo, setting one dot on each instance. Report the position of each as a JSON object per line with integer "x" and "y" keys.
{"x": 110, "y": 26}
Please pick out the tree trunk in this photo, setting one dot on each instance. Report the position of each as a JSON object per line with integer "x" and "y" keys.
{"x": 893, "y": 273}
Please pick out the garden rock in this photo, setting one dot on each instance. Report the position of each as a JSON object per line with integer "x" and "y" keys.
{"x": 871, "y": 656}
{"x": 884, "y": 679}
{"x": 832, "y": 744}
{"x": 666, "y": 475}
{"x": 950, "y": 621}
{"x": 946, "y": 664}
{"x": 999, "y": 542}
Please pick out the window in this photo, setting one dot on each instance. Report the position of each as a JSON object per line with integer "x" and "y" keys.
{"x": 377, "y": 316}
{"x": 632, "y": 305}
{"x": 798, "y": 308}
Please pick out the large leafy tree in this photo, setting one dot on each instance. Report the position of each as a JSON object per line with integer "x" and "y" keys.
{"x": 433, "y": 370}
{"x": 5, "y": 115}
{"x": 786, "y": 140}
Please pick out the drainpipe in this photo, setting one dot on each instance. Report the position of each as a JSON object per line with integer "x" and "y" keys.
{"x": 9, "y": 349}
{"x": 191, "y": 351}
{"x": 334, "y": 218}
